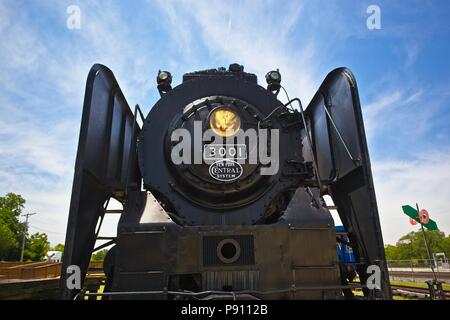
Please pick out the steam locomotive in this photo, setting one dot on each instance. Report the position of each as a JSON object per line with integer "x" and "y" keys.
{"x": 222, "y": 190}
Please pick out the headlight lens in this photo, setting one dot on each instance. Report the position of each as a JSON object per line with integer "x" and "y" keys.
{"x": 225, "y": 122}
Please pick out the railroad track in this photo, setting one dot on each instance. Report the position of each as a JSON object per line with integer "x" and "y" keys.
{"x": 443, "y": 276}
{"x": 415, "y": 292}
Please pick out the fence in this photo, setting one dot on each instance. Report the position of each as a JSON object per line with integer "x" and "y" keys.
{"x": 39, "y": 270}
{"x": 418, "y": 270}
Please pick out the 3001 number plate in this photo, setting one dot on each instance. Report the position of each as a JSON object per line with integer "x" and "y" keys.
{"x": 225, "y": 151}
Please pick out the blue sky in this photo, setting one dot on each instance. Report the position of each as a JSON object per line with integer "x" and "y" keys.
{"x": 403, "y": 72}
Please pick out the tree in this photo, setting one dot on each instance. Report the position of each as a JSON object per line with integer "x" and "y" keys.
{"x": 8, "y": 242}
{"x": 58, "y": 247}
{"x": 99, "y": 255}
{"x": 36, "y": 247}
{"x": 11, "y": 229}
{"x": 412, "y": 246}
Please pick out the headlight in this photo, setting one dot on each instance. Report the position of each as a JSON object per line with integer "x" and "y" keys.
{"x": 224, "y": 121}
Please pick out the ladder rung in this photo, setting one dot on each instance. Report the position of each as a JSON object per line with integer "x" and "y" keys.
{"x": 106, "y": 238}
{"x": 114, "y": 211}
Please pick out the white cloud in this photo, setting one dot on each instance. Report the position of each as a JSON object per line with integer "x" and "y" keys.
{"x": 423, "y": 180}
{"x": 391, "y": 109}
{"x": 43, "y": 78}
{"x": 250, "y": 34}
{"x": 400, "y": 115}
{"x": 19, "y": 48}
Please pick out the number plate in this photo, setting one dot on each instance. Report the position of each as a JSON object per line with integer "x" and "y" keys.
{"x": 225, "y": 151}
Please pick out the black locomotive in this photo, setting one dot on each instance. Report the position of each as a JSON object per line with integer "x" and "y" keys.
{"x": 222, "y": 190}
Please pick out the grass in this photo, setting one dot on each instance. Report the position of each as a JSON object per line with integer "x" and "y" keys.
{"x": 100, "y": 290}
{"x": 402, "y": 298}
{"x": 359, "y": 293}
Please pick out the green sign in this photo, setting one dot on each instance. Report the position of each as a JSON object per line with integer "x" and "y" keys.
{"x": 414, "y": 214}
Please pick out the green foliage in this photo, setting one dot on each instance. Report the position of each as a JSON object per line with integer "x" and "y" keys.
{"x": 412, "y": 246}
{"x": 11, "y": 229}
{"x": 8, "y": 242}
{"x": 36, "y": 247}
{"x": 58, "y": 247}
{"x": 99, "y": 255}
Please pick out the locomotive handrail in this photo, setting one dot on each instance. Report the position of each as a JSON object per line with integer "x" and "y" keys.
{"x": 133, "y": 146}
{"x": 355, "y": 160}
{"x": 226, "y": 293}
{"x": 308, "y": 135}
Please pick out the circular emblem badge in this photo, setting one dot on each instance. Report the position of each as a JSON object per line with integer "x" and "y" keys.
{"x": 225, "y": 170}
